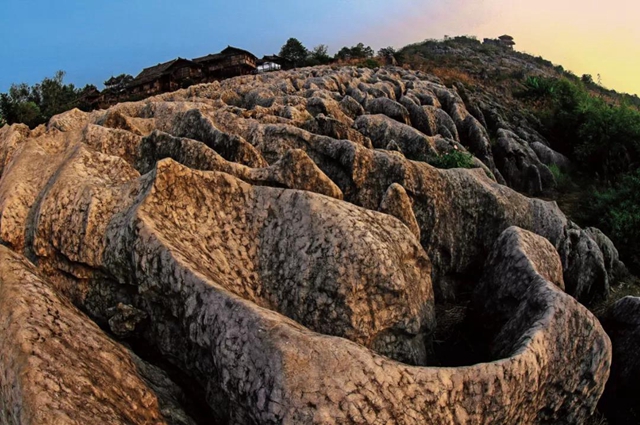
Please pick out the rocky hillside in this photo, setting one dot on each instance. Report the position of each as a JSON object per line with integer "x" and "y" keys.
{"x": 284, "y": 248}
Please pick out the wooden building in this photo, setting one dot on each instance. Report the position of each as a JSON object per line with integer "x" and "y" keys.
{"x": 165, "y": 77}
{"x": 231, "y": 62}
{"x": 507, "y": 41}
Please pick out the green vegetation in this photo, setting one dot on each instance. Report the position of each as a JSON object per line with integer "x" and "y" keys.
{"x": 294, "y": 52}
{"x": 537, "y": 87}
{"x": 602, "y": 137}
{"x": 454, "y": 159}
{"x": 603, "y": 140}
{"x": 319, "y": 56}
{"x": 369, "y": 63}
{"x": 359, "y": 51}
{"x": 35, "y": 105}
{"x": 616, "y": 211}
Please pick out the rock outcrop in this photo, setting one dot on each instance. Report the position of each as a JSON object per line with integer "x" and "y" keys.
{"x": 520, "y": 166}
{"x": 282, "y": 240}
{"x": 58, "y": 367}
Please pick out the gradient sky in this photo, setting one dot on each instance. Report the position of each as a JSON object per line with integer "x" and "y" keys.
{"x": 93, "y": 40}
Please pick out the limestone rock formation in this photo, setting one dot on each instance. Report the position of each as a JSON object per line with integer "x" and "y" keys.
{"x": 282, "y": 241}
{"x": 520, "y": 166}
{"x": 397, "y": 203}
{"x": 58, "y": 367}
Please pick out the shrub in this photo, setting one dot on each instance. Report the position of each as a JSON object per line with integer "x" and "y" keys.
{"x": 538, "y": 87}
{"x": 602, "y": 138}
{"x": 454, "y": 159}
{"x": 562, "y": 179}
{"x": 369, "y": 63}
{"x": 616, "y": 211}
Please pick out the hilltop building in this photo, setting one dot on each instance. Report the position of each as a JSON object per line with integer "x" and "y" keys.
{"x": 181, "y": 73}
{"x": 164, "y": 77}
{"x": 231, "y": 62}
{"x": 502, "y": 41}
{"x": 507, "y": 41}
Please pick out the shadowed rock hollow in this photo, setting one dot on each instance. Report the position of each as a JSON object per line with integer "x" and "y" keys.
{"x": 282, "y": 242}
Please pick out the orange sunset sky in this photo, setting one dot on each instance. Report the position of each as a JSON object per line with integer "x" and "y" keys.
{"x": 586, "y": 37}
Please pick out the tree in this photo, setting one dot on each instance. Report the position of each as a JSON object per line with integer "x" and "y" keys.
{"x": 34, "y": 105}
{"x": 55, "y": 96}
{"x": 587, "y": 79}
{"x": 294, "y": 52}
{"x": 20, "y": 106}
{"x": 344, "y": 53}
{"x": 319, "y": 55}
{"x": 359, "y": 51}
{"x": 389, "y": 55}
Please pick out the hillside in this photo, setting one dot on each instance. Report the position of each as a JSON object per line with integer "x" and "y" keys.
{"x": 331, "y": 244}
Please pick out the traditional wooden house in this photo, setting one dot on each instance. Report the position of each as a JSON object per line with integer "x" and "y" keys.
{"x": 231, "y": 62}
{"x": 164, "y": 77}
{"x": 507, "y": 41}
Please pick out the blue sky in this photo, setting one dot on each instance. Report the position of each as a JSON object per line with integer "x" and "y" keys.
{"x": 92, "y": 39}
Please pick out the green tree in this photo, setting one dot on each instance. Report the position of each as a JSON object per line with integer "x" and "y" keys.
{"x": 294, "y": 52}
{"x": 34, "y": 105}
{"x": 359, "y": 51}
{"x": 343, "y": 54}
{"x": 55, "y": 96}
{"x": 587, "y": 79}
{"x": 319, "y": 55}
{"x": 389, "y": 55}
{"x": 20, "y": 105}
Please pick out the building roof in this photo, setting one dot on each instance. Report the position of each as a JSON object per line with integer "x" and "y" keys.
{"x": 154, "y": 72}
{"x": 506, "y": 38}
{"x": 228, "y": 51}
{"x": 271, "y": 59}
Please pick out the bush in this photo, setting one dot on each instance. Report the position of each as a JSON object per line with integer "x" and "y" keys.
{"x": 562, "y": 179}
{"x": 454, "y": 159}
{"x": 369, "y": 63}
{"x": 603, "y": 139}
{"x": 538, "y": 87}
{"x": 616, "y": 211}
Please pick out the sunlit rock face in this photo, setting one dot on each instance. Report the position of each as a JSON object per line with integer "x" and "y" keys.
{"x": 279, "y": 244}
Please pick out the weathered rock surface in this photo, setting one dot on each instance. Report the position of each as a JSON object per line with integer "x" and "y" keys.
{"x": 58, "y": 367}
{"x": 586, "y": 273}
{"x": 550, "y": 157}
{"x": 382, "y": 129}
{"x": 284, "y": 247}
{"x": 520, "y": 166}
{"x": 397, "y": 203}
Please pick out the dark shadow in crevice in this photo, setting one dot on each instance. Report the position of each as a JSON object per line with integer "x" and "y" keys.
{"x": 458, "y": 340}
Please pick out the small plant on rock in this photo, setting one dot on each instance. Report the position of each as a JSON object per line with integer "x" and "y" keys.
{"x": 454, "y": 159}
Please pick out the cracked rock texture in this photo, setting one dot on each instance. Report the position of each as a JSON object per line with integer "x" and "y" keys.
{"x": 281, "y": 240}
{"x": 58, "y": 367}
